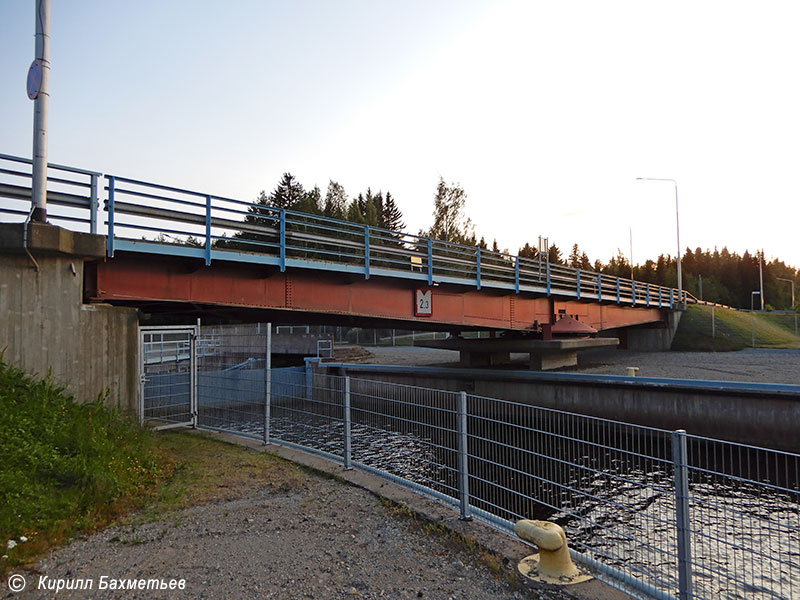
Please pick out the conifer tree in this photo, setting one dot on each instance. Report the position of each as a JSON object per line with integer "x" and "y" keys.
{"x": 391, "y": 215}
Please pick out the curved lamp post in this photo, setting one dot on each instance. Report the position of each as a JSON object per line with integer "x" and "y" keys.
{"x": 677, "y": 226}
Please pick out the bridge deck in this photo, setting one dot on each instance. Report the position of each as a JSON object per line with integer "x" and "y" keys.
{"x": 145, "y": 219}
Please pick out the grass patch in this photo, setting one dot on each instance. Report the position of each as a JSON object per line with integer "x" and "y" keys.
{"x": 210, "y": 470}
{"x": 733, "y": 330}
{"x": 69, "y": 467}
{"x": 66, "y": 466}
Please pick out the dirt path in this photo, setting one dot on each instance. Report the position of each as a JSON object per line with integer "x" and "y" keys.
{"x": 259, "y": 526}
{"x": 321, "y": 539}
{"x": 256, "y": 526}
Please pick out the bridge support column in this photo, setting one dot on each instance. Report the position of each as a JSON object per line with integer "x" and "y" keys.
{"x": 652, "y": 339}
{"x": 545, "y": 361}
{"x": 484, "y": 359}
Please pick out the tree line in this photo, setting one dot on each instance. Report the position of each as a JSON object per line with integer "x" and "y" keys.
{"x": 370, "y": 208}
{"x": 716, "y": 276}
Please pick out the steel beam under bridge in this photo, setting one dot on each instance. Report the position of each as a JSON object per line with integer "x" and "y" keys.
{"x": 328, "y": 296}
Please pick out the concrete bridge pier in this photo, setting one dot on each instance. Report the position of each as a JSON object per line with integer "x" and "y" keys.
{"x": 651, "y": 337}
{"x": 544, "y": 354}
{"x": 45, "y": 327}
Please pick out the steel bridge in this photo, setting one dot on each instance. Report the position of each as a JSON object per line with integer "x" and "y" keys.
{"x": 173, "y": 249}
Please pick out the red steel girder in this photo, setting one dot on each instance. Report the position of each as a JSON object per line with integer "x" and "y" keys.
{"x": 132, "y": 278}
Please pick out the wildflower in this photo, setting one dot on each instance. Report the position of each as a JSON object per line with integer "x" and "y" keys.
{"x": 10, "y": 544}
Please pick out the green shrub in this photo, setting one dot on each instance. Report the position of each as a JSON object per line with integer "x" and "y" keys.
{"x": 64, "y": 465}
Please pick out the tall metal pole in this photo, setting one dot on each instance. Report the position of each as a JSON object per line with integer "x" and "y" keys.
{"x": 678, "y": 234}
{"x": 677, "y": 229}
{"x": 789, "y": 281}
{"x": 39, "y": 182}
{"x": 630, "y": 230}
{"x": 753, "y": 320}
{"x": 761, "y": 276}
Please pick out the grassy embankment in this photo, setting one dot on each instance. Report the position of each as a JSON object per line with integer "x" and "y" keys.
{"x": 733, "y": 330}
{"x": 71, "y": 468}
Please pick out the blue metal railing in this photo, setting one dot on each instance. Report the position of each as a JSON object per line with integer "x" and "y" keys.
{"x": 146, "y": 217}
{"x": 72, "y": 192}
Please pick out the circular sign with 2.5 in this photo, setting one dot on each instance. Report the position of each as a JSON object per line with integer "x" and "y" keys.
{"x": 35, "y": 79}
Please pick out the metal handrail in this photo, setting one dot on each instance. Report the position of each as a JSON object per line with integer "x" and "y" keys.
{"x": 284, "y": 237}
{"x": 54, "y": 197}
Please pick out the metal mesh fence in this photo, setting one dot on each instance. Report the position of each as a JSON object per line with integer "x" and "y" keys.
{"x": 608, "y": 484}
{"x": 408, "y": 432}
{"x": 725, "y": 328}
{"x": 669, "y": 514}
{"x": 745, "y": 520}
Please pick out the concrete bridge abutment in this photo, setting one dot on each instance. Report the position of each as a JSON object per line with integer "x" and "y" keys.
{"x": 45, "y": 327}
{"x": 648, "y": 338}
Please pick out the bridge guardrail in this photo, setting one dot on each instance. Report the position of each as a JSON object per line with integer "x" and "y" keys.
{"x": 74, "y": 192}
{"x": 147, "y": 217}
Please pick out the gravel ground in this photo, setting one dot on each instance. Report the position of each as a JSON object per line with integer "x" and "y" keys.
{"x": 322, "y": 539}
{"x": 755, "y": 365}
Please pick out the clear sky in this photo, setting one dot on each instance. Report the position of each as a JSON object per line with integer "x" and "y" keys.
{"x": 545, "y": 112}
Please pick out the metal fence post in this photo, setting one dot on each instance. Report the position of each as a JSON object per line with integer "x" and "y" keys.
{"x": 208, "y": 231}
{"x": 548, "y": 278}
{"x": 430, "y": 261}
{"x": 283, "y": 240}
{"x": 366, "y": 252}
{"x": 348, "y": 450}
{"x": 110, "y": 208}
{"x": 193, "y": 370}
{"x": 681, "y": 475}
{"x": 93, "y": 204}
{"x": 309, "y": 380}
{"x": 478, "y": 268}
{"x": 463, "y": 462}
{"x": 713, "y": 324}
{"x": 267, "y": 382}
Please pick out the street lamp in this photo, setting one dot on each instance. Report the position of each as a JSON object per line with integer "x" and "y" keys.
{"x": 751, "y": 299}
{"x": 39, "y": 91}
{"x": 790, "y": 281}
{"x": 677, "y": 228}
{"x": 753, "y": 320}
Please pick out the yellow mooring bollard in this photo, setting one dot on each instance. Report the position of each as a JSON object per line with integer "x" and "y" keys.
{"x": 632, "y": 371}
{"x": 553, "y": 563}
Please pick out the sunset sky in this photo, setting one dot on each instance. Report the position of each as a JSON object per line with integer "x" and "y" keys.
{"x": 545, "y": 112}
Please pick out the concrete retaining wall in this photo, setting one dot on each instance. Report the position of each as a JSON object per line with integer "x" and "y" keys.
{"x": 46, "y": 328}
{"x": 754, "y": 415}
